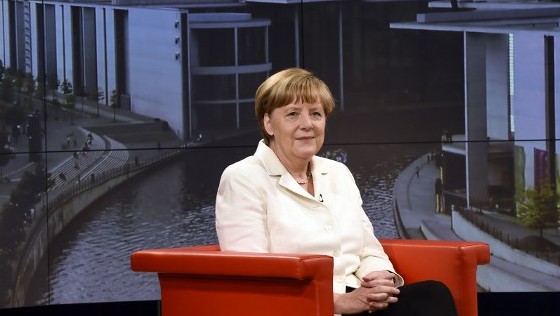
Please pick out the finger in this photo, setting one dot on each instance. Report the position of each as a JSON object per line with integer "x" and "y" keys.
{"x": 378, "y": 282}
{"x": 379, "y": 275}
{"x": 383, "y": 289}
{"x": 380, "y": 298}
{"x": 376, "y": 306}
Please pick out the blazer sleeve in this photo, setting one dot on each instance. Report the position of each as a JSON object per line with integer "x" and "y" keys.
{"x": 241, "y": 211}
{"x": 373, "y": 257}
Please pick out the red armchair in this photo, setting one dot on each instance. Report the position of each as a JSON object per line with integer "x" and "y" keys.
{"x": 205, "y": 281}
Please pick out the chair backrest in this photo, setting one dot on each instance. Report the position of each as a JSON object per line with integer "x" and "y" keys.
{"x": 451, "y": 262}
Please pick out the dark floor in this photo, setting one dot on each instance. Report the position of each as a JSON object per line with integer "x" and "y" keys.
{"x": 490, "y": 304}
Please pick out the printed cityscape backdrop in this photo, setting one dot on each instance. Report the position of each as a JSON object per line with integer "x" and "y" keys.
{"x": 117, "y": 119}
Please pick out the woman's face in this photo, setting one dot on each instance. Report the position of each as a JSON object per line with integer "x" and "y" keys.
{"x": 297, "y": 130}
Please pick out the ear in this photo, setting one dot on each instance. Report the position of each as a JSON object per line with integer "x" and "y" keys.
{"x": 267, "y": 124}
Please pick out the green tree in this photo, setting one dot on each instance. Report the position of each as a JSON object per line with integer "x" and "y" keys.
{"x": 14, "y": 215}
{"x": 114, "y": 103}
{"x": 22, "y": 198}
{"x": 114, "y": 100}
{"x": 100, "y": 96}
{"x": 69, "y": 98}
{"x": 8, "y": 85}
{"x": 538, "y": 208}
{"x": 67, "y": 89}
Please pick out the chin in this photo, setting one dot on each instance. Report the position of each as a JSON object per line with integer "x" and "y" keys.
{"x": 308, "y": 154}
{"x": 308, "y": 151}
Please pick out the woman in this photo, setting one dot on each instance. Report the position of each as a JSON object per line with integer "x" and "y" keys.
{"x": 285, "y": 199}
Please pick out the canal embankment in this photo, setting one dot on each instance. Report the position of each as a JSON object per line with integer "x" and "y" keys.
{"x": 58, "y": 212}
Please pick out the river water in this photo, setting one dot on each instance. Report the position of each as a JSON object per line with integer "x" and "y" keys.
{"x": 174, "y": 206}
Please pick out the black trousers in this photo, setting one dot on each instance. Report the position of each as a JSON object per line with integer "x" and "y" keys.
{"x": 426, "y": 298}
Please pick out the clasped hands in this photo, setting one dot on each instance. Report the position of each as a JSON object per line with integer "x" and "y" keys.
{"x": 376, "y": 292}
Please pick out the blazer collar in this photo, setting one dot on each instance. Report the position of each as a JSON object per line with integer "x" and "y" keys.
{"x": 275, "y": 168}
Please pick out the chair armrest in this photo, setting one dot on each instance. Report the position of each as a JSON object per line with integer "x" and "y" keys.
{"x": 451, "y": 262}
{"x": 209, "y": 261}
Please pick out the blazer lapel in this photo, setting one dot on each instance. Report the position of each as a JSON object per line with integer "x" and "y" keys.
{"x": 275, "y": 168}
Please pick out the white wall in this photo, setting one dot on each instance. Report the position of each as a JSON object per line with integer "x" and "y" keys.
{"x": 64, "y": 42}
{"x": 4, "y": 33}
{"x": 155, "y": 78}
{"x": 34, "y": 47}
{"x": 557, "y": 88}
{"x": 529, "y": 98}
{"x": 497, "y": 86}
{"x": 105, "y": 45}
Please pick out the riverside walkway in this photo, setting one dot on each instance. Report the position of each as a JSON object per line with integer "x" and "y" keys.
{"x": 67, "y": 132}
{"x": 415, "y": 204}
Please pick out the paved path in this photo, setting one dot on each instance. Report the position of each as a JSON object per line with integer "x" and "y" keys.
{"x": 414, "y": 194}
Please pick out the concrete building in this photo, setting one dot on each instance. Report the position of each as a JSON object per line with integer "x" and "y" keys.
{"x": 147, "y": 58}
{"x": 511, "y": 53}
{"x": 196, "y": 63}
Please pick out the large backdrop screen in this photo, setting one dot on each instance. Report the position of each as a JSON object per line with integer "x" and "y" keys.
{"x": 118, "y": 117}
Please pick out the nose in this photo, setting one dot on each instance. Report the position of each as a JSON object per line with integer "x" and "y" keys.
{"x": 305, "y": 121}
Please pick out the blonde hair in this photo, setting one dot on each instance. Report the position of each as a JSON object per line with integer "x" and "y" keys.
{"x": 289, "y": 86}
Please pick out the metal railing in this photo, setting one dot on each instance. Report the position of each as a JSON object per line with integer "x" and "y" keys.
{"x": 546, "y": 250}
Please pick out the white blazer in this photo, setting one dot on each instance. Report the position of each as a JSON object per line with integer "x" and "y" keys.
{"x": 261, "y": 208}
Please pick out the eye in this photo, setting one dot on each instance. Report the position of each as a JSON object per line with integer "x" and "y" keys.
{"x": 292, "y": 115}
{"x": 316, "y": 115}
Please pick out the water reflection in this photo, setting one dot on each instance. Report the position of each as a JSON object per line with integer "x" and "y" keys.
{"x": 174, "y": 206}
